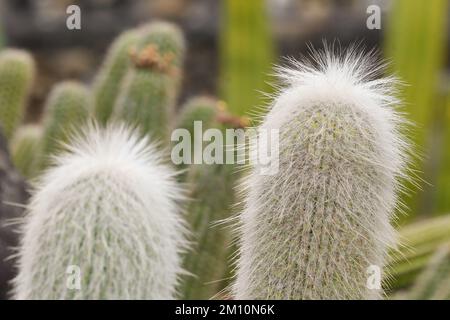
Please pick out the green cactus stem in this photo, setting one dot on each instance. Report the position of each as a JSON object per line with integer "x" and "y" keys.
{"x": 16, "y": 77}
{"x": 26, "y": 148}
{"x": 213, "y": 195}
{"x": 315, "y": 227}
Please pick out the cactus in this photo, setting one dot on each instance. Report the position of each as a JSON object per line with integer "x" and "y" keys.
{"x": 149, "y": 90}
{"x": 415, "y": 44}
{"x": 312, "y": 230}
{"x": 26, "y": 146}
{"x": 2, "y": 36}
{"x": 442, "y": 184}
{"x": 66, "y": 107}
{"x": 247, "y": 52}
{"x": 204, "y": 109}
{"x": 434, "y": 282}
{"x": 212, "y": 193}
{"x": 110, "y": 208}
{"x": 108, "y": 81}
{"x": 418, "y": 242}
{"x": 16, "y": 76}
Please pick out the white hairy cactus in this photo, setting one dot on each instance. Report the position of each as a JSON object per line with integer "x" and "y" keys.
{"x": 109, "y": 207}
{"x": 312, "y": 230}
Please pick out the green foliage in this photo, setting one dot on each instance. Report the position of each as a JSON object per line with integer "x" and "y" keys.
{"x": 415, "y": 45}
{"x": 149, "y": 91}
{"x": 108, "y": 81}
{"x": 246, "y": 54}
{"x": 66, "y": 108}
{"x": 26, "y": 146}
{"x": 16, "y": 76}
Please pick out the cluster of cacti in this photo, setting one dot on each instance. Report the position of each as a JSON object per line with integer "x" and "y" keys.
{"x": 2, "y": 36}
{"x": 66, "y": 108}
{"x": 312, "y": 230}
{"x": 16, "y": 76}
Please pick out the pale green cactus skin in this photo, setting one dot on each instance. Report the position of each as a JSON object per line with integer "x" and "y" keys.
{"x": 17, "y": 69}
{"x": 312, "y": 230}
{"x": 212, "y": 193}
{"x": 26, "y": 148}
{"x": 150, "y": 88}
{"x": 434, "y": 282}
{"x": 110, "y": 208}
{"x": 109, "y": 79}
{"x": 66, "y": 108}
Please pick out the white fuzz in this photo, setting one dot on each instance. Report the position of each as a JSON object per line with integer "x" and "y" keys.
{"x": 110, "y": 207}
{"x": 312, "y": 230}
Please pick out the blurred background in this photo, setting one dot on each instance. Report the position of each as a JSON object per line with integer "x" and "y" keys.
{"x": 232, "y": 47}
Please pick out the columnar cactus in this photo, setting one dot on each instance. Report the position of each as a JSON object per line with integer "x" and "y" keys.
{"x": 26, "y": 146}
{"x": 16, "y": 76}
{"x": 66, "y": 107}
{"x": 108, "y": 81}
{"x": 434, "y": 282}
{"x": 212, "y": 194}
{"x": 311, "y": 230}
{"x": 103, "y": 223}
{"x": 149, "y": 90}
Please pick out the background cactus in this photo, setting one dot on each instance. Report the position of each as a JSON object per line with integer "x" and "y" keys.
{"x": 109, "y": 79}
{"x": 148, "y": 94}
{"x": 434, "y": 282}
{"x": 26, "y": 148}
{"x": 16, "y": 76}
{"x": 66, "y": 108}
{"x": 442, "y": 199}
{"x": 418, "y": 242}
{"x": 312, "y": 230}
{"x": 110, "y": 207}
{"x": 212, "y": 193}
